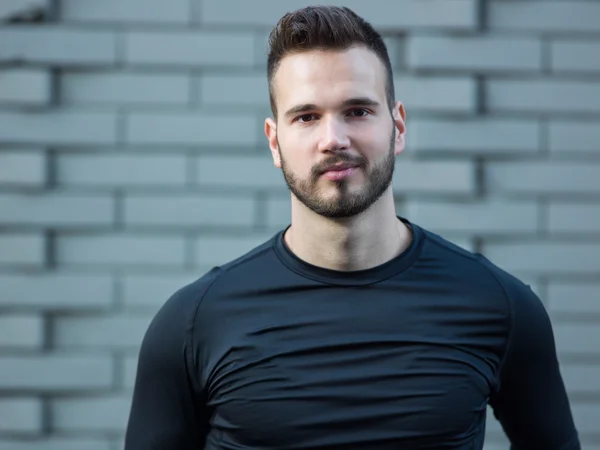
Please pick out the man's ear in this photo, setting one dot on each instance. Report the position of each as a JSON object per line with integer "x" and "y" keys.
{"x": 399, "y": 115}
{"x": 271, "y": 133}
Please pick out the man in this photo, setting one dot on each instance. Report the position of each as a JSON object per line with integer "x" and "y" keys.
{"x": 352, "y": 328}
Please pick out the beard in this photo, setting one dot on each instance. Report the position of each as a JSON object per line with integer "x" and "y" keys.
{"x": 345, "y": 203}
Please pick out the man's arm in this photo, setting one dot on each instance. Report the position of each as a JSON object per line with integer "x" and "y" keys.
{"x": 531, "y": 402}
{"x": 167, "y": 410}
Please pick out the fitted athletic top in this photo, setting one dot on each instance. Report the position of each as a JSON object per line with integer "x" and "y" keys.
{"x": 270, "y": 352}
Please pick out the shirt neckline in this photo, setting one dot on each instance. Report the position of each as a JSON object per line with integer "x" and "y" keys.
{"x": 351, "y": 278}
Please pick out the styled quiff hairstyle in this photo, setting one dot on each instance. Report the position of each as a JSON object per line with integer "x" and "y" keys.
{"x": 324, "y": 28}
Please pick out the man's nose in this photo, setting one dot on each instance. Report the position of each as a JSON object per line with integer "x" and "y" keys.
{"x": 333, "y": 135}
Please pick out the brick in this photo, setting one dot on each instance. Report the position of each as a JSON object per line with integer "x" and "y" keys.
{"x": 479, "y": 136}
{"x": 23, "y": 168}
{"x": 402, "y": 14}
{"x": 114, "y": 332}
{"x": 53, "y": 373}
{"x": 443, "y": 94}
{"x": 12, "y": 9}
{"x": 130, "y": 371}
{"x": 547, "y": 177}
{"x": 213, "y": 251}
{"x": 568, "y": 136}
{"x": 25, "y": 87}
{"x": 58, "y": 127}
{"x": 574, "y": 217}
{"x": 581, "y": 378}
{"x": 20, "y": 415}
{"x": 572, "y": 297}
{"x": 192, "y": 129}
{"x": 474, "y": 53}
{"x": 152, "y": 290}
{"x": 234, "y": 89}
{"x": 279, "y": 212}
{"x": 19, "y": 249}
{"x": 120, "y": 170}
{"x": 21, "y": 331}
{"x": 575, "y": 56}
{"x": 586, "y": 418}
{"x": 571, "y": 16}
{"x": 91, "y": 414}
{"x": 577, "y": 338}
{"x": 129, "y": 11}
{"x": 120, "y": 250}
{"x": 544, "y": 96}
{"x": 545, "y": 257}
{"x": 124, "y": 88}
{"x": 46, "y": 44}
{"x": 189, "y": 210}
{"x": 190, "y": 49}
{"x": 493, "y": 217}
{"x": 239, "y": 171}
{"x": 56, "y": 210}
{"x": 56, "y": 291}
{"x": 446, "y": 177}
{"x": 57, "y": 443}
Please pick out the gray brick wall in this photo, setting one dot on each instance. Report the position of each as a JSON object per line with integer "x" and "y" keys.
{"x": 132, "y": 159}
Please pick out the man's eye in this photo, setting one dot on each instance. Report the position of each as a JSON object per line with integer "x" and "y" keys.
{"x": 359, "y": 112}
{"x": 305, "y": 118}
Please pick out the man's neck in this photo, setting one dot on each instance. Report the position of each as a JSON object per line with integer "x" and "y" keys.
{"x": 355, "y": 243}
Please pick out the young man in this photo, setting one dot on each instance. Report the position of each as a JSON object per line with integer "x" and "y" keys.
{"x": 352, "y": 328}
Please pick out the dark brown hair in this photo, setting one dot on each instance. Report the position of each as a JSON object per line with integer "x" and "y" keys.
{"x": 324, "y": 28}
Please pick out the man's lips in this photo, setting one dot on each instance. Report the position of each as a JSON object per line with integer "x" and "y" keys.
{"x": 339, "y": 171}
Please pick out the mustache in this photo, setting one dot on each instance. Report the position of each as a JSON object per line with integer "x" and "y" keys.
{"x": 341, "y": 158}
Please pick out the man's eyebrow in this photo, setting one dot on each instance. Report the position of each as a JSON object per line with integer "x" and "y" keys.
{"x": 356, "y": 101}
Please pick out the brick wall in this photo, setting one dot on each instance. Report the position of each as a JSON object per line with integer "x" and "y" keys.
{"x": 132, "y": 159}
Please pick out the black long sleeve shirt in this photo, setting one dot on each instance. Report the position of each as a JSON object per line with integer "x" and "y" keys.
{"x": 270, "y": 352}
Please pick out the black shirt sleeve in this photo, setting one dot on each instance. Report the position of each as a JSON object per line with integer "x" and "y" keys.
{"x": 531, "y": 401}
{"x": 167, "y": 410}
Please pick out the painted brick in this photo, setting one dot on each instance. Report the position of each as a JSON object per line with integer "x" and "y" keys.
{"x": 474, "y": 53}
{"x": 56, "y": 210}
{"x": 54, "y": 45}
{"x": 124, "y": 88}
{"x": 479, "y": 136}
{"x": 120, "y": 250}
{"x": 445, "y": 177}
{"x": 93, "y": 414}
{"x": 114, "y": 332}
{"x": 544, "y": 96}
{"x": 279, "y": 212}
{"x": 189, "y": 210}
{"x": 56, "y": 290}
{"x": 586, "y": 418}
{"x": 27, "y": 87}
{"x": 577, "y": 338}
{"x": 574, "y": 217}
{"x": 120, "y": 170}
{"x": 52, "y": 443}
{"x": 130, "y": 371}
{"x": 20, "y": 415}
{"x": 20, "y": 8}
{"x": 156, "y": 11}
{"x": 23, "y": 168}
{"x": 234, "y": 89}
{"x": 213, "y": 251}
{"x": 572, "y": 297}
{"x": 494, "y": 216}
{"x": 443, "y": 94}
{"x": 192, "y": 129}
{"x": 533, "y": 16}
{"x": 20, "y": 249}
{"x": 581, "y": 378}
{"x": 441, "y": 14}
{"x": 150, "y": 291}
{"x": 558, "y": 177}
{"x": 545, "y": 257}
{"x": 190, "y": 49}
{"x": 58, "y": 127}
{"x": 575, "y": 56}
{"x": 241, "y": 171}
{"x": 56, "y": 372}
{"x": 568, "y": 136}
{"x": 20, "y": 331}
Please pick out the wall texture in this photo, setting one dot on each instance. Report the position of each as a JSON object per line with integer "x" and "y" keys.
{"x": 132, "y": 159}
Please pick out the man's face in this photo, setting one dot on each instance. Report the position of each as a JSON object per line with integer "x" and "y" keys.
{"x": 335, "y": 138}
